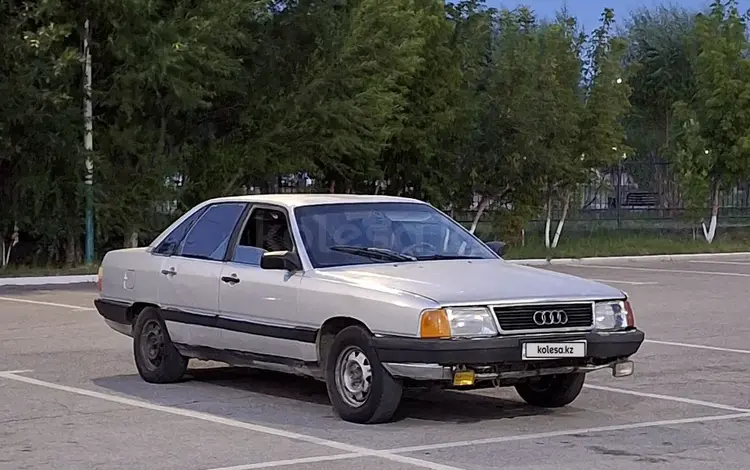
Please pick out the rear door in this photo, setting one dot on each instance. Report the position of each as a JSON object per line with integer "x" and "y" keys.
{"x": 190, "y": 277}
{"x": 258, "y": 307}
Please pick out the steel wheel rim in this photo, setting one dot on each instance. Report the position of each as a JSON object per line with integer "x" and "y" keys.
{"x": 353, "y": 376}
{"x": 152, "y": 344}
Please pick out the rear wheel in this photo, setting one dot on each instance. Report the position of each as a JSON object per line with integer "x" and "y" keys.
{"x": 156, "y": 358}
{"x": 552, "y": 391}
{"x": 360, "y": 389}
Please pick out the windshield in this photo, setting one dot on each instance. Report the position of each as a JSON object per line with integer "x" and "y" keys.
{"x": 364, "y": 233}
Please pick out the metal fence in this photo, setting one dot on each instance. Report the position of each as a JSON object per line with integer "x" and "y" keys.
{"x": 646, "y": 196}
{"x": 636, "y": 189}
{"x": 642, "y": 195}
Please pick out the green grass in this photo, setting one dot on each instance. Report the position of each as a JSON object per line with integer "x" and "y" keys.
{"x": 572, "y": 246}
{"x": 628, "y": 245}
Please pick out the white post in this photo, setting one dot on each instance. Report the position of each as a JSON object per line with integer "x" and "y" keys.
{"x": 88, "y": 143}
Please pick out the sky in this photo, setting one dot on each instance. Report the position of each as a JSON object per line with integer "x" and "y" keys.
{"x": 588, "y": 11}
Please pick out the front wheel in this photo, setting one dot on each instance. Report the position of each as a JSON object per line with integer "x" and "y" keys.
{"x": 552, "y": 391}
{"x": 360, "y": 389}
{"x": 156, "y": 358}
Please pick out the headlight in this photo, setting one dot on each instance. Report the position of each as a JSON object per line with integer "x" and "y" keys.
{"x": 457, "y": 322}
{"x": 613, "y": 315}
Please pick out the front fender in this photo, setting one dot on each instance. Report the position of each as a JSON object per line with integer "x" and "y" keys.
{"x": 383, "y": 310}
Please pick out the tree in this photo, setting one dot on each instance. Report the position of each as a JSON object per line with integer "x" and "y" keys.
{"x": 606, "y": 97}
{"x": 712, "y": 148}
{"x": 416, "y": 158}
{"x": 40, "y": 129}
{"x": 471, "y": 45}
{"x": 580, "y": 101}
{"x": 559, "y": 107}
{"x": 352, "y": 94}
{"x": 159, "y": 68}
{"x": 496, "y": 163}
{"x": 465, "y": 106}
{"x": 661, "y": 55}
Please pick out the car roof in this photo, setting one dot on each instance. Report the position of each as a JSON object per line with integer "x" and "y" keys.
{"x": 292, "y": 200}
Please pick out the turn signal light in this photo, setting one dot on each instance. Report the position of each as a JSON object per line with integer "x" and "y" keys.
{"x": 630, "y": 315}
{"x": 434, "y": 324}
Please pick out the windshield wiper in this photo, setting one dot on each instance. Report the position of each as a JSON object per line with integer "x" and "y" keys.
{"x": 372, "y": 252}
{"x": 436, "y": 257}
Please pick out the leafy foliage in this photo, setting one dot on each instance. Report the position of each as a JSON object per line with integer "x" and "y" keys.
{"x": 455, "y": 103}
{"x": 713, "y": 144}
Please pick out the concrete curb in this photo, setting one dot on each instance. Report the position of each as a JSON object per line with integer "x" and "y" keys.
{"x": 47, "y": 280}
{"x": 90, "y": 278}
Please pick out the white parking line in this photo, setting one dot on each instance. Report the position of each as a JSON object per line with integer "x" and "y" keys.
{"x": 657, "y": 270}
{"x": 231, "y": 422}
{"x": 568, "y": 432}
{"x": 48, "y": 304}
{"x": 353, "y": 451}
{"x": 698, "y": 346}
{"x": 688, "y": 401}
{"x": 283, "y": 463}
{"x": 502, "y": 439}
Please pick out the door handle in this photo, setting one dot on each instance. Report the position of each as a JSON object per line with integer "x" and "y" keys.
{"x": 233, "y": 279}
{"x": 170, "y": 271}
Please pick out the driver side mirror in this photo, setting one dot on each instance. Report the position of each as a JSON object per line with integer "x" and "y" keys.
{"x": 281, "y": 260}
{"x": 498, "y": 247}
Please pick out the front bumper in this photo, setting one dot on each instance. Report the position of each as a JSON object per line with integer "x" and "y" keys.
{"x": 500, "y": 357}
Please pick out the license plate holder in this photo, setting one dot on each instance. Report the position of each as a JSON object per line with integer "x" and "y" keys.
{"x": 548, "y": 350}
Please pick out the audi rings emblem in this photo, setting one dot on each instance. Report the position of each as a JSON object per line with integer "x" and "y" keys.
{"x": 550, "y": 317}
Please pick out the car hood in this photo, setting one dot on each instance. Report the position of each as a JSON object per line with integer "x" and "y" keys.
{"x": 469, "y": 281}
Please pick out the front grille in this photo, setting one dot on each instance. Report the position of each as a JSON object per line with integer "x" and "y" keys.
{"x": 521, "y": 317}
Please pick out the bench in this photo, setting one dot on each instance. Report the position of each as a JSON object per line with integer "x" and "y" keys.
{"x": 642, "y": 198}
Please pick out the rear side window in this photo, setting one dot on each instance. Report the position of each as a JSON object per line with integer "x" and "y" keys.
{"x": 209, "y": 237}
{"x": 171, "y": 242}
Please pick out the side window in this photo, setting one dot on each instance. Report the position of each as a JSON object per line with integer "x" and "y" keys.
{"x": 265, "y": 230}
{"x": 209, "y": 237}
{"x": 172, "y": 241}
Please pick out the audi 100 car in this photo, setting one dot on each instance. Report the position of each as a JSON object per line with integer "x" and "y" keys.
{"x": 371, "y": 294}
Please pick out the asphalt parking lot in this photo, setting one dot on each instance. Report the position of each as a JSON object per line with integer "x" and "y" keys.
{"x": 70, "y": 396}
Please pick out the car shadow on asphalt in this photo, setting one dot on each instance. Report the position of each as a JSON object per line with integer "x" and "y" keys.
{"x": 446, "y": 406}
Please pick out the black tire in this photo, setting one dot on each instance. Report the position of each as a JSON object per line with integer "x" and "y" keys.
{"x": 165, "y": 364}
{"x": 384, "y": 396}
{"x": 552, "y": 391}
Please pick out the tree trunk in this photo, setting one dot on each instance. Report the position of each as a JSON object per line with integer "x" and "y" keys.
{"x": 230, "y": 185}
{"x": 78, "y": 252}
{"x": 561, "y": 222}
{"x": 70, "y": 250}
{"x": 484, "y": 203}
{"x": 133, "y": 239}
{"x": 710, "y": 231}
{"x": 548, "y": 223}
{"x": 162, "y": 144}
{"x": 7, "y": 249}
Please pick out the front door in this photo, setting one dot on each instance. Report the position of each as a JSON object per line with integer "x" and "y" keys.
{"x": 258, "y": 307}
{"x": 190, "y": 278}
